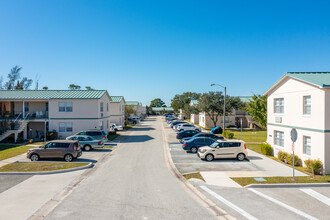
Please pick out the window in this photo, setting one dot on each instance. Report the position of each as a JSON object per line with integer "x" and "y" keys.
{"x": 62, "y": 145}
{"x": 279, "y": 105}
{"x": 307, "y": 145}
{"x": 226, "y": 120}
{"x": 307, "y": 105}
{"x": 65, "y": 127}
{"x": 26, "y": 107}
{"x": 279, "y": 138}
{"x": 65, "y": 107}
{"x": 101, "y": 125}
{"x": 101, "y": 107}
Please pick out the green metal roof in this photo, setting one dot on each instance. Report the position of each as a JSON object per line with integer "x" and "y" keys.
{"x": 194, "y": 102}
{"x": 116, "y": 99}
{"x": 245, "y": 98}
{"x": 321, "y": 79}
{"x": 162, "y": 108}
{"x": 132, "y": 103}
{"x": 51, "y": 94}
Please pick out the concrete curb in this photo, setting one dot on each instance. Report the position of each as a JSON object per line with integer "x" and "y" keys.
{"x": 201, "y": 198}
{"x": 89, "y": 165}
{"x": 287, "y": 185}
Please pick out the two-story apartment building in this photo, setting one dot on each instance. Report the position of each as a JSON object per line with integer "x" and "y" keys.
{"x": 117, "y": 106}
{"x": 301, "y": 100}
{"x": 64, "y": 111}
{"x": 137, "y": 106}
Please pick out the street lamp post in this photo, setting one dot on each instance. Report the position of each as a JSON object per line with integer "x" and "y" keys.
{"x": 224, "y": 104}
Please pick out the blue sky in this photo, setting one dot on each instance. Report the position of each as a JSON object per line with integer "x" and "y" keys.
{"x": 156, "y": 49}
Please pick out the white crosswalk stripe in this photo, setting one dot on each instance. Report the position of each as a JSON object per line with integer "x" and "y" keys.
{"x": 231, "y": 205}
{"x": 317, "y": 196}
{"x": 297, "y": 211}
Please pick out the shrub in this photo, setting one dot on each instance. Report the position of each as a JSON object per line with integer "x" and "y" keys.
{"x": 282, "y": 155}
{"x": 266, "y": 149}
{"x": 228, "y": 135}
{"x": 297, "y": 161}
{"x": 316, "y": 164}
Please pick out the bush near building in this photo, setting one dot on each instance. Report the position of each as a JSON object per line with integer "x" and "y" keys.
{"x": 266, "y": 149}
{"x": 228, "y": 135}
{"x": 315, "y": 164}
{"x": 282, "y": 156}
{"x": 297, "y": 161}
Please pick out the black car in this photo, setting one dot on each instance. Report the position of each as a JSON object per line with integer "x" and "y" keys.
{"x": 187, "y": 133}
{"x": 208, "y": 135}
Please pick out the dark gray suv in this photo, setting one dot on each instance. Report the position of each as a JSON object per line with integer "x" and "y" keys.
{"x": 66, "y": 149}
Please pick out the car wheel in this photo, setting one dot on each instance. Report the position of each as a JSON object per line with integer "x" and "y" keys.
{"x": 68, "y": 158}
{"x": 87, "y": 148}
{"x": 240, "y": 157}
{"x": 34, "y": 157}
{"x": 193, "y": 150}
{"x": 209, "y": 157}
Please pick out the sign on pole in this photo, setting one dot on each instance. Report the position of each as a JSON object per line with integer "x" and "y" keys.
{"x": 294, "y": 136}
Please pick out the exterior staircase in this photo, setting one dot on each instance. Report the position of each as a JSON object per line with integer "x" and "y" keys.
{"x": 18, "y": 127}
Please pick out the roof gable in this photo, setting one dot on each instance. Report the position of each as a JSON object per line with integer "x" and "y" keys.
{"x": 52, "y": 94}
{"x": 117, "y": 99}
{"x": 318, "y": 79}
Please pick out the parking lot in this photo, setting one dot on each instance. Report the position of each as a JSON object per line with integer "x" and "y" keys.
{"x": 256, "y": 165}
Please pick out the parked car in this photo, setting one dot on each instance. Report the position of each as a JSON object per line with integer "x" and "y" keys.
{"x": 184, "y": 127}
{"x": 116, "y": 127}
{"x": 87, "y": 143}
{"x": 184, "y": 134}
{"x": 195, "y": 143}
{"x": 177, "y": 122}
{"x": 66, "y": 149}
{"x": 213, "y": 136}
{"x": 96, "y": 134}
{"x": 224, "y": 149}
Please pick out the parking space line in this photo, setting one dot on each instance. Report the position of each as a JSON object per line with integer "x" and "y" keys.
{"x": 317, "y": 196}
{"x": 297, "y": 211}
{"x": 231, "y": 205}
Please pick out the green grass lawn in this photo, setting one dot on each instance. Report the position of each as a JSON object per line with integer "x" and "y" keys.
{"x": 8, "y": 150}
{"x": 37, "y": 166}
{"x": 194, "y": 175}
{"x": 250, "y": 136}
{"x": 127, "y": 127}
{"x": 254, "y": 147}
{"x": 243, "y": 181}
{"x": 111, "y": 137}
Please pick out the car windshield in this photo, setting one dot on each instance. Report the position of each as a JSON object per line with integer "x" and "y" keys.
{"x": 215, "y": 144}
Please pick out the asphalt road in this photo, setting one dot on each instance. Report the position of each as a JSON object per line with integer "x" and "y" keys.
{"x": 134, "y": 183}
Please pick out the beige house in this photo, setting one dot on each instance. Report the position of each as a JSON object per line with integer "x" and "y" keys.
{"x": 138, "y": 107}
{"x": 194, "y": 118}
{"x": 117, "y": 113}
{"x": 301, "y": 100}
{"x": 34, "y": 112}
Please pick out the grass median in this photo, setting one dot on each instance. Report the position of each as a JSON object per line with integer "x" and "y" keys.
{"x": 8, "y": 150}
{"x": 250, "y": 136}
{"x": 194, "y": 175}
{"x": 39, "y": 166}
{"x": 243, "y": 181}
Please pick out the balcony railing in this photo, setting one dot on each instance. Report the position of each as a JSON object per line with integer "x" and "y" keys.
{"x": 29, "y": 115}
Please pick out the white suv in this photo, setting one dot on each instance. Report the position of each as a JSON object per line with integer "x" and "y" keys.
{"x": 224, "y": 149}
{"x": 185, "y": 127}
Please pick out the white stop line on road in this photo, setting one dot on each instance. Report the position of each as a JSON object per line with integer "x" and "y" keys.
{"x": 317, "y": 196}
{"x": 297, "y": 211}
{"x": 231, "y": 205}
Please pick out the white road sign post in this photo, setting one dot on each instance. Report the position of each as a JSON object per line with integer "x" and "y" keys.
{"x": 293, "y": 139}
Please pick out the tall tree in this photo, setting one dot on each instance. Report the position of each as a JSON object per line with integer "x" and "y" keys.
{"x": 129, "y": 110}
{"x": 14, "y": 82}
{"x": 212, "y": 104}
{"x": 89, "y": 88}
{"x": 157, "y": 103}
{"x": 74, "y": 87}
{"x": 257, "y": 108}
{"x": 179, "y": 101}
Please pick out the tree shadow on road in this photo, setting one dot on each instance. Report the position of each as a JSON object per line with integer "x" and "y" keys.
{"x": 134, "y": 138}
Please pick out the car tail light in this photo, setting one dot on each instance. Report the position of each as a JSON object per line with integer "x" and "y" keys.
{"x": 74, "y": 147}
{"x": 185, "y": 144}
{"x": 99, "y": 143}
{"x": 245, "y": 146}
{"x": 103, "y": 136}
